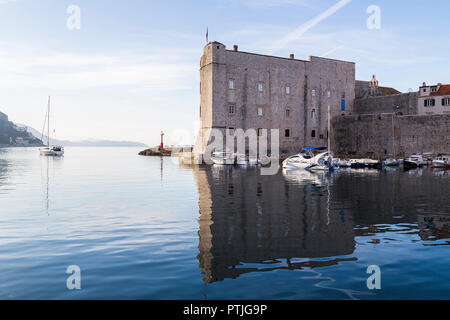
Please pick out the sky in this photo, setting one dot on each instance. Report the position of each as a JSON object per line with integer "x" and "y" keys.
{"x": 131, "y": 69}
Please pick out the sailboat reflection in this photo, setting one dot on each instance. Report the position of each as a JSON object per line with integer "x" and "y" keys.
{"x": 45, "y": 175}
{"x": 268, "y": 222}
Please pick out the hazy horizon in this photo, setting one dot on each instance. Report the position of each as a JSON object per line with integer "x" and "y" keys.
{"x": 132, "y": 69}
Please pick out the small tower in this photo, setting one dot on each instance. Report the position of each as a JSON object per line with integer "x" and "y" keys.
{"x": 162, "y": 140}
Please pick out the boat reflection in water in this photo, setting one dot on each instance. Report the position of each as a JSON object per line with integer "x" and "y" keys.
{"x": 304, "y": 220}
{"x": 268, "y": 222}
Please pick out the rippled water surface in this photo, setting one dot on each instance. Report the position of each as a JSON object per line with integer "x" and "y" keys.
{"x": 148, "y": 228}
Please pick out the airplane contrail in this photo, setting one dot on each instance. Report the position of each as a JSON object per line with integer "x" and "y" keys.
{"x": 298, "y": 32}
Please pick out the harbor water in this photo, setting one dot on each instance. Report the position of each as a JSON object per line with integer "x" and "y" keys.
{"x": 150, "y": 228}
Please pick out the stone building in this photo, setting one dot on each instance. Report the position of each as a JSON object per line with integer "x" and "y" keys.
{"x": 434, "y": 99}
{"x": 241, "y": 90}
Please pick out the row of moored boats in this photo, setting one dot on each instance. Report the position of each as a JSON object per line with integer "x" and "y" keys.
{"x": 319, "y": 159}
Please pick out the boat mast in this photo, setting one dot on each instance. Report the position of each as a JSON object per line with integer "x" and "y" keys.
{"x": 48, "y": 124}
{"x": 393, "y": 136}
{"x": 329, "y": 131}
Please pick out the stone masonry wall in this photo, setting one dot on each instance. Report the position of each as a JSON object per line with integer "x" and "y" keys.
{"x": 406, "y": 103}
{"x": 372, "y": 135}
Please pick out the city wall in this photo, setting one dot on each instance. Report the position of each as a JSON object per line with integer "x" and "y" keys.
{"x": 379, "y": 135}
{"x": 404, "y": 104}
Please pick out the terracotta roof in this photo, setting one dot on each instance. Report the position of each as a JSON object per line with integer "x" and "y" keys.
{"x": 443, "y": 90}
{"x": 388, "y": 91}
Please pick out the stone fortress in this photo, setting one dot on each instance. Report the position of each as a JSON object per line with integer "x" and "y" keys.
{"x": 241, "y": 90}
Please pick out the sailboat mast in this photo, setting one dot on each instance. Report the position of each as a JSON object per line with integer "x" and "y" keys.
{"x": 48, "y": 123}
{"x": 329, "y": 131}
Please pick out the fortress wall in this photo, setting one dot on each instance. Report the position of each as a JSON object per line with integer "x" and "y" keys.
{"x": 372, "y": 135}
{"x": 406, "y": 103}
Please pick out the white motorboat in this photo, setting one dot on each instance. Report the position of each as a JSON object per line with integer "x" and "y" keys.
{"x": 364, "y": 163}
{"x": 307, "y": 160}
{"x": 253, "y": 161}
{"x": 223, "y": 158}
{"x": 441, "y": 162}
{"x": 428, "y": 158}
{"x": 390, "y": 162}
{"x": 343, "y": 163}
{"x": 241, "y": 159}
{"x": 415, "y": 161}
{"x": 55, "y": 151}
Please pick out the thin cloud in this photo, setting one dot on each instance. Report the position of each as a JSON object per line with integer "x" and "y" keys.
{"x": 276, "y": 3}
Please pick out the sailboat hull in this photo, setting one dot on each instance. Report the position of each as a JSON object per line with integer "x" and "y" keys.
{"x": 51, "y": 153}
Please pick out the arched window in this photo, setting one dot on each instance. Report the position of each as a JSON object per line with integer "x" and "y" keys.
{"x": 313, "y": 114}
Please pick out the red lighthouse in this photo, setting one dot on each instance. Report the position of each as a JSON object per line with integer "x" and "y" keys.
{"x": 162, "y": 140}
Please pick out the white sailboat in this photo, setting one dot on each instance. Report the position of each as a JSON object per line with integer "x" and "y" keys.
{"x": 55, "y": 151}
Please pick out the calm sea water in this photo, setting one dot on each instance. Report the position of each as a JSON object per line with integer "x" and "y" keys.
{"x": 148, "y": 228}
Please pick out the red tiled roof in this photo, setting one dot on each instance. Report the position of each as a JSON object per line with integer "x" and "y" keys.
{"x": 385, "y": 91}
{"x": 443, "y": 90}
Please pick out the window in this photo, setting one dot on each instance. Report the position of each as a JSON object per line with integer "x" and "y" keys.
{"x": 260, "y": 111}
{"x": 288, "y": 90}
{"x": 446, "y": 102}
{"x": 313, "y": 114}
{"x": 329, "y": 94}
{"x": 313, "y": 93}
{"x": 433, "y": 89}
{"x": 287, "y": 133}
{"x": 231, "y": 84}
{"x": 343, "y": 105}
{"x": 288, "y": 113}
{"x": 260, "y": 87}
{"x": 231, "y": 109}
{"x": 429, "y": 103}
{"x": 231, "y": 131}
{"x": 260, "y": 132}
{"x": 313, "y": 133}
{"x": 343, "y": 95}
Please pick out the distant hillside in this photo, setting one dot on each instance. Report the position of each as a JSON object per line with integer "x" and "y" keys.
{"x": 85, "y": 143}
{"x": 12, "y": 135}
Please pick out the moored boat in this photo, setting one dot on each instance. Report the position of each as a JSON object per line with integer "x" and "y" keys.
{"x": 223, "y": 158}
{"x": 241, "y": 159}
{"x": 441, "y": 162}
{"x": 343, "y": 163}
{"x": 390, "y": 162}
{"x": 414, "y": 161}
{"x": 52, "y": 151}
{"x": 309, "y": 161}
{"x": 55, "y": 151}
{"x": 365, "y": 163}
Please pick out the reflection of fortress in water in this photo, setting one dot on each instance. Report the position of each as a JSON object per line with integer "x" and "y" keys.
{"x": 267, "y": 221}
{"x": 249, "y": 218}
